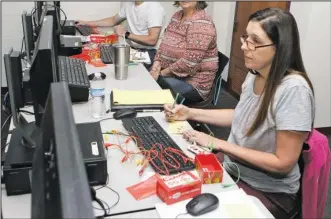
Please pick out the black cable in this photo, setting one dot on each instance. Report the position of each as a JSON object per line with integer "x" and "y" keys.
{"x": 27, "y": 112}
{"x": 6, "y": 121}
{"x": 107, "y": 181}
{"x": 102, "y": 206}
{"x": 4, "y": 147}
{"x": 65, "y": 16}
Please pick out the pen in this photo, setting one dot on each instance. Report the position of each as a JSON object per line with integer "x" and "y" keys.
{"x": 181, "y": 102}
{"x": 175, "y": 101}
{"x": 147, "y": 110}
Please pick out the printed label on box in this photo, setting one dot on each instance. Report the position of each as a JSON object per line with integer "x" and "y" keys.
{"x": 178, "y": 180}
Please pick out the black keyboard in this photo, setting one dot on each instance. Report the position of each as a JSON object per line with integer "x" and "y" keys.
{"x": 86, "y": 30}
{"x": 107, "y": 53}
{"x": 149, "y": 133}
{"x": 74, "y": 72}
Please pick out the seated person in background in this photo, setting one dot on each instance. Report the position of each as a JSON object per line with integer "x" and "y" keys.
{"x": 145, "y": 21}
{"x": 273, "y": 118}
{"x": 187, "y": 59}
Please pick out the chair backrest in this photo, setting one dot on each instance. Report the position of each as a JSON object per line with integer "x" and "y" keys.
{"x": 216, "y": 87}
{"x": 315, "y": 155}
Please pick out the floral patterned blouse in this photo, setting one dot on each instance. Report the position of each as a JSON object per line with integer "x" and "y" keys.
{"x": 189, "y": 49}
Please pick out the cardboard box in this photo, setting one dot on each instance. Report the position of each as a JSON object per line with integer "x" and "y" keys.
{"x": 175, "y": 188}
{"x": 209, "y": 168}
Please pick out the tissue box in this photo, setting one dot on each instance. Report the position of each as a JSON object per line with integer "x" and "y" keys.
{"x": 209, "y": 168}
{"x": 175, "y": 188}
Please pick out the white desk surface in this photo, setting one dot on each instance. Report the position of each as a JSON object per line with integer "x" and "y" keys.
{"x": 121, "y": 175}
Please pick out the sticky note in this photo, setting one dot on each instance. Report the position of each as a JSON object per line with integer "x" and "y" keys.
{"x": 178, "y": 127}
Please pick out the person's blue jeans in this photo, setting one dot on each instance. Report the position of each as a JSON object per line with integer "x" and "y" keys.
{"x": 184, "y": 89}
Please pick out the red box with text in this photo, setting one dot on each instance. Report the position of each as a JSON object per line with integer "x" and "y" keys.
{"x": 175, "y": 188}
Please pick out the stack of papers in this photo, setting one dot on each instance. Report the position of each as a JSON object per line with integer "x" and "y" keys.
{"x": 142, "y": 97}
{"x": 232, "y": 204}
{"x": 139, "y": 57}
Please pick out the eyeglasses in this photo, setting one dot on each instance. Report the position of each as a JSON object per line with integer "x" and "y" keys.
{"x": 251, "y": 45}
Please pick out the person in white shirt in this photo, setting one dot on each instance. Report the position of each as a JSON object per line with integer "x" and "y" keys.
{"x": 145, "y": 21}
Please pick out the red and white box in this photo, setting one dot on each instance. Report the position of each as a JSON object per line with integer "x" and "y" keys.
{"x": 175, "y": 188}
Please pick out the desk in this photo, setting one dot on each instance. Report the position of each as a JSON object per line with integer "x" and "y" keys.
{"x": 121, "y": 175}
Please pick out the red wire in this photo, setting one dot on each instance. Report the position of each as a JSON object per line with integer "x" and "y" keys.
{"x": 148, "y": 155}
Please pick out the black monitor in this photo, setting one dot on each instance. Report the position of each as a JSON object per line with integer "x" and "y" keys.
{"x": 60, "y": 187}
{"x": 24, "y": 130}
{"x": 28, "y": 34}
{"x": 44, "y": 68}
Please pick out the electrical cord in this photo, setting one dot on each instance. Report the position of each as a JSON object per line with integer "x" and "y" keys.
{"x": 102, "y": 203}
{"x": 181, "y": 214}
{"x": 6, "y": 121}
{"x": 238, "y": 177}
{"x": 105, "y": 119}
{"x": 27, "y": 112}
{"x": 65, "y": 16}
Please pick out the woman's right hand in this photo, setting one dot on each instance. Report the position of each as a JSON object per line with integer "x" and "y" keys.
{"x": 179, "y": 112}
{"x": 80, "y": 22}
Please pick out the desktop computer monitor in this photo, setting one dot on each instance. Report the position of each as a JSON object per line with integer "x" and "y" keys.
{"x": 44, "y": 67}
{"x": 13, "y": 68}
{"x": 60, "y": 187}
{"x": 28, "y": 34}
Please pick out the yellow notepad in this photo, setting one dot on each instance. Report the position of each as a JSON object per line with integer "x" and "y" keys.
{"x": 142, "y": 97}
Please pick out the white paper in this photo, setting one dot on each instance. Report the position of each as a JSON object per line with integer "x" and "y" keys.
{"x": 232, "y": 204}
{"x": 139, "y": 57}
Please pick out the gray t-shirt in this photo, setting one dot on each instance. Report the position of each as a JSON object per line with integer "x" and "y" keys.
{"x": 294, "y": 109}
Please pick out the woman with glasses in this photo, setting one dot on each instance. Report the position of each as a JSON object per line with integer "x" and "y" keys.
{"x": 273, "y": 118}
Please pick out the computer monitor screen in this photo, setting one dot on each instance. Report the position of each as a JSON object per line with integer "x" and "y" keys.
{"x": 44, "y": 68}
{"x": 13, "y": 67}
{"x": 28, "y": 34}
{"x": 60, "y": 186}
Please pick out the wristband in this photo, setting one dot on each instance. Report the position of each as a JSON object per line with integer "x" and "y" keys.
{"x": 127, "y": 34}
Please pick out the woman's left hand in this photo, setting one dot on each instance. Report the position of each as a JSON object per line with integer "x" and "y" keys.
{"x": 199, "y": 138}
{"x": 155, "y": 74}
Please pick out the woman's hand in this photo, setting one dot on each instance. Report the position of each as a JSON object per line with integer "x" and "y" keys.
{"x": 199, "y": 138}
{"x": 119, "y": 30}
{"x": 179, "y": 112}
{"x": 155, "y": 71}
{"x": 80, "y": 22}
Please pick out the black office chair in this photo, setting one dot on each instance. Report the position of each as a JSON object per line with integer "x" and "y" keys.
{"x": 213, "y": 94}
{"x": 216, "y": 87}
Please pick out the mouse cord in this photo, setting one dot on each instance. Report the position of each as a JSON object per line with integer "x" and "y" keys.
{"x": 238, "y": 175}
{"x": 181, "y": 215}
{"x": 105, "y": 119}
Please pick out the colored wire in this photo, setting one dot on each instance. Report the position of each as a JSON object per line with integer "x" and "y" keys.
{"x": 238, "y": 177}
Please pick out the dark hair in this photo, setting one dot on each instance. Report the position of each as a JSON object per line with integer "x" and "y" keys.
{"x": 282, "y": 29}
{"x": 200, "y": 5}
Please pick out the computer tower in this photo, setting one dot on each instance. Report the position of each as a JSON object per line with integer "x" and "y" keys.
{"x": 68, "y": 28}
{"x": 17, "y": 177}
{"x": 70, "y": 45}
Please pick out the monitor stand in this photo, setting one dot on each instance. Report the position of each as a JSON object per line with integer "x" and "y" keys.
{"x": 20, "y": 153}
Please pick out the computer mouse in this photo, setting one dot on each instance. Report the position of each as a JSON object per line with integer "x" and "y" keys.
{"x": 125, "y": 113}
{"x": 202, "y": 204}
